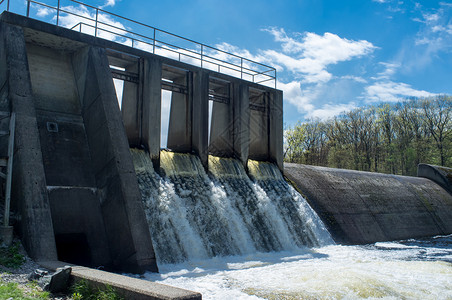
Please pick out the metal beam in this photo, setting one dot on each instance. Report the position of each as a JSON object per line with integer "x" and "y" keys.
{"x": 124, "y": 75}
{"x": 174, "y": 87}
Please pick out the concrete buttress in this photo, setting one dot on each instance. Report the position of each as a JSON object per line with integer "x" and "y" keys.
{"x": 127, "y": 231}
{"x": 29, "y": 193}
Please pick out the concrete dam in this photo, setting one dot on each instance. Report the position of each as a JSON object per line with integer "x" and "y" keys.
{"x": 92, "y": 186}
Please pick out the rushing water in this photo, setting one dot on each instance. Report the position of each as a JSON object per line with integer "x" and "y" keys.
{"x": 230, "y": 235}
{"x": 193, "y": 215}
{"x": 412, "y": 269}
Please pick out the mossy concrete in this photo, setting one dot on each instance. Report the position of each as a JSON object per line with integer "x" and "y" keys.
{"x": 438, "y": 174}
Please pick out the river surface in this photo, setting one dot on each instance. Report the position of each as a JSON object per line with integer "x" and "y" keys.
{"x": 410, "y": 269}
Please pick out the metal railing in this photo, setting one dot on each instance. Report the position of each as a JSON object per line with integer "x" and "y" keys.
{"x": 104, "y": 24}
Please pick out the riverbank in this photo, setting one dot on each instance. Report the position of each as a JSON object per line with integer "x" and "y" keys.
{"x": 15, "y": 268}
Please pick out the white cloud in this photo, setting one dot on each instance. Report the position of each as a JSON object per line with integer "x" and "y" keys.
{"x": 381, "y": 1}
{"x": 390, "y": 69}
{"x": 438, "y": 27}
{"x": 309, "y": 99}
{"x": 328, "y": 111}
{"x": 308, "y": 58}
{"x": 431, "y": 43}
{"x": 312, "y": 71}
{"x": 389, "y": 91}
{"x": 80, "y": 14}
{"x": 44, "y": 11}
{"x": 311, "y": 55}
{"x": 235, "y": 50}
{"x": 354, "y": 78}
{"x": 430, "y": 18}
{"x": 301, "y": 99}
{"x": 109, "y": 3}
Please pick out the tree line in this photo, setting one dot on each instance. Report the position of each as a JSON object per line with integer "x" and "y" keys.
{"x": 388, "y": 138}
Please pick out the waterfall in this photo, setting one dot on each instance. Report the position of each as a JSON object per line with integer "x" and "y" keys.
{"x": 195, "y": 215}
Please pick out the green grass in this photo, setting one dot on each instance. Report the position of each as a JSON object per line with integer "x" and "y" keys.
{"x": 82, "y": 291}
{"x": 12, "y": 290}
{"x": 10, "y": 256}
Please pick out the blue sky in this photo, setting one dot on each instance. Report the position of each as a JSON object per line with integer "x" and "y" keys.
{"x": 331, "y": 56}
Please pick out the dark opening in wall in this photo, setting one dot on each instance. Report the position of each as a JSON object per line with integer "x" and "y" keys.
{"x": 73, "y": 248}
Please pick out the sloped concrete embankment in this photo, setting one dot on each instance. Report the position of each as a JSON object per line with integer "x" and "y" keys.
{"x": 363, "y": 207}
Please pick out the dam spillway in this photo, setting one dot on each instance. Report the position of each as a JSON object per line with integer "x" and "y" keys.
{"x": 193, "y": 215}
{"x": 79, "y": 198}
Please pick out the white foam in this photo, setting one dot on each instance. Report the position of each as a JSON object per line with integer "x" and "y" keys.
{"x": 332, "y": 272}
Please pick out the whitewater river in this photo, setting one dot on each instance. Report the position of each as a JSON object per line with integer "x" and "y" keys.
{"x": 236, "y": 234}
{"x": 412, "y": 269}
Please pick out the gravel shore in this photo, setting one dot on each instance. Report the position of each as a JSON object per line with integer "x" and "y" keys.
{"x": 20, "y": 275}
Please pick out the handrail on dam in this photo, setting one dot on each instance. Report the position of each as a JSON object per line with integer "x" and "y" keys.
{"x": 102, "y": 23}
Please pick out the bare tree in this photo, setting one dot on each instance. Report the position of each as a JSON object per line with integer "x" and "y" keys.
{"x": 437, "y": 117}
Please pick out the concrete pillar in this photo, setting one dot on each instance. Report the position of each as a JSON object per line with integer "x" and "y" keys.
{"x": 241, "y": 119}
{"x": 200, "y": 122}
{"x": 131, "y": 108}
{"x": 79, "y": 63}
{"x": 125, "y": 222}
{"x": 152, "y": 103}
{"x": 29, "y": 191}
{"x": 259, "y": 134}
{"x": 222, "y": 129}
{"x": 180, "y": 123}
{"x": 276, "y": 128}
{"x": 4, "y": 103}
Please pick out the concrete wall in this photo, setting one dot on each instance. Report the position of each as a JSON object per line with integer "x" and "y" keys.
{"x": 259, "y": 123}
{"x": 126, "y": 227}
{"x": 438, "y": 174}
{"x": 74, "y": 201}
{"x": 74, "y": 184}
{"x": 131, "y": 106}
{"x": 241, "y": 108}
{"x": 180, "y": 119}
{"x": 237, "y": 129}
{"x": 362, "y": 207}
{"x": 221, "y": 140}
{"x": 200, "y": 117}
{"x": 276, "y": 138}
{"x": 152, "y": 93}
{"x": 141, "y": 101}
{"x": 29, "y": 193}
